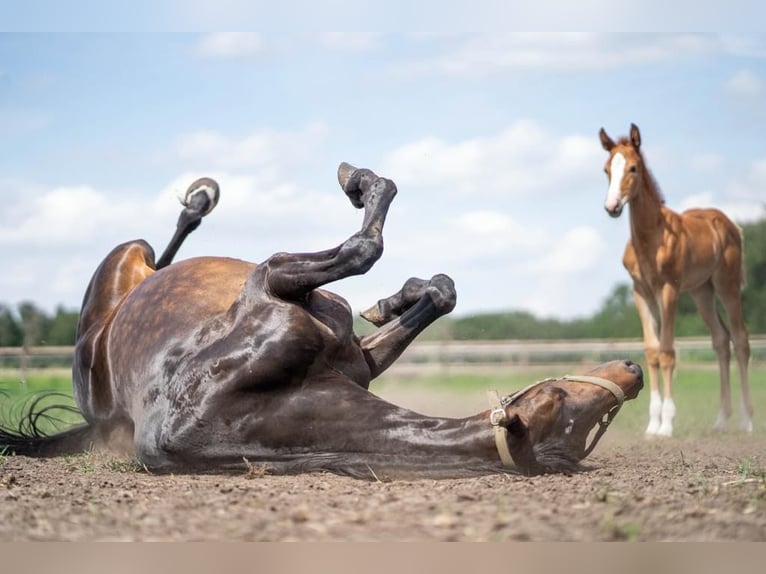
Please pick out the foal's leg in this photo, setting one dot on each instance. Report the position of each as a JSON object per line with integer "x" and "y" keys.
{"x": 403, "y": 316}
{"x": 200, "y": 199}
{"x": 669, "y": 302}
{"x": 292, "y": 276}
{"x": 704, "y": 297}
{"x": 733, "y": 304}
{"x": 649, "y": 314}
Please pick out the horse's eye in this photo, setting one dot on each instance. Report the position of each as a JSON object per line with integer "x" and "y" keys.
{"x": 632, "y": 169}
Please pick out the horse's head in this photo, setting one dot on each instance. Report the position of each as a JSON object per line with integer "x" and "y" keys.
{"x": 624, "y": 169}
{"x": 549, "y": 422}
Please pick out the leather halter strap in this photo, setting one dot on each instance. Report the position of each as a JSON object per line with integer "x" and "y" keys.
{"x": 498, "y": 417}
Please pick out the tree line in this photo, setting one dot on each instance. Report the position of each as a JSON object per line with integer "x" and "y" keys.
{"x": 28, "y": 325}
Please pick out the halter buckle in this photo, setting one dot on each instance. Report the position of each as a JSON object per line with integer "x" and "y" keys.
{"x": 496, "y": 416}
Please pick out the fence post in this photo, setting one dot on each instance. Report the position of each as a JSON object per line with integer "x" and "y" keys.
{"x": 24, "y": 363}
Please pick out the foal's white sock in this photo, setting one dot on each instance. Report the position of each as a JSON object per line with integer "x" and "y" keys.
{"x": 655, "y": 409}
{"x": 668, "y": 412}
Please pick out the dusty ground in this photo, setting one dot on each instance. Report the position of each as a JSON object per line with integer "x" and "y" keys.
{"x": 705, "y": 489}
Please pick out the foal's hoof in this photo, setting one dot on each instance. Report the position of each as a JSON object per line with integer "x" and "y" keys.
{"x": 202, "y": 196}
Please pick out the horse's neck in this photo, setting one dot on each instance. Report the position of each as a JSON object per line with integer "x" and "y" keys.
{"x": 647, "y": 216}
{"x": 400, "y": 441}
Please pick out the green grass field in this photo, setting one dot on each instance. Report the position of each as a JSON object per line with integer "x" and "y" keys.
{"x": 696, "y": 393}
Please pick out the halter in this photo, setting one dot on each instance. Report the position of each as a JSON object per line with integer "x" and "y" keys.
{"x": 497, "y": 416}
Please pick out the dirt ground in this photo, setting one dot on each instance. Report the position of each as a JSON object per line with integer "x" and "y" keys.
{"x": 711, "y": 488}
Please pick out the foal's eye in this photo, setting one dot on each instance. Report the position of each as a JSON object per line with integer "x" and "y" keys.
{"x": 632, "y": 169}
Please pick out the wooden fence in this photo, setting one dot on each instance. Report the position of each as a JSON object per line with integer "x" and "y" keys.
{"x": 462, "y": 355}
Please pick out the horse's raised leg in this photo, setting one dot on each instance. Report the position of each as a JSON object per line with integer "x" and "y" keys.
{"x": 403, "y": 316}
{"x": 200, "y": 199}
{"x": 704, "y": 297}
{"x": 292, "y": 276}
{"x": 649, "y": 314}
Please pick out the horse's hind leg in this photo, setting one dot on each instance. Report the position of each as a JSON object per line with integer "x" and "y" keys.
{"x": 292, "y": 276}
{"x": 733, "y": 303}
{"x": 200, "y": 199}
{"x": 704, "y": 297}
{"x": 403, "y": 316}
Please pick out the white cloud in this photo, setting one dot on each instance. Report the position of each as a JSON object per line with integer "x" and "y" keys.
{"x": 231, "y": 44}
{"x": 65, "y": 214}
{"x": 487, "y": 54}
{"x": 739, "y": 209}
{"x": 255, "y": 150}
{"x": 745, "y": 84}
{"x": 523, "y": 158}
{"x": 578, "y": 249}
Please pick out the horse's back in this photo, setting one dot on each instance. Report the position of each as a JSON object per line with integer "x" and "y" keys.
{"x": 176, "y": 301}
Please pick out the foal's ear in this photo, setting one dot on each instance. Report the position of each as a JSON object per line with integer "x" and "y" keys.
{"x": 516, "y": 426}
{"x": 635, "y": 136}
{"x": 606, "y": 141}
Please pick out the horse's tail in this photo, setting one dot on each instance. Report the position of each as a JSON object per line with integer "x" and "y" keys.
{"x": 28, "y": 439}
{"x": 743, "y": 278}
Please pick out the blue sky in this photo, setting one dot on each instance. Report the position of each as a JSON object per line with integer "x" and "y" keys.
{"x": 492, "y": 140}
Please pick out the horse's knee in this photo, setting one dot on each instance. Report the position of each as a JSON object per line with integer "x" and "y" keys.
{"x": 667, "y": 359}
{"x": 652, "y": 356}
{"x": 722, "y": 344}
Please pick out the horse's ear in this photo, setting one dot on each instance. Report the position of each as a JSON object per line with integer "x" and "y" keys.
{"x": 635, "y": 136}
{"x": 606, "y": 141}
{"x": 516, "y": 426}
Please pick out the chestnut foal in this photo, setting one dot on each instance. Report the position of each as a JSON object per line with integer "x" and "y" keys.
{"x": 699, "y": 251}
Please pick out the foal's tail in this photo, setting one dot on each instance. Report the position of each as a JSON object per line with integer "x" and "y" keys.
{"x": 28, "y": 439}
{"x": 743, "y": 272}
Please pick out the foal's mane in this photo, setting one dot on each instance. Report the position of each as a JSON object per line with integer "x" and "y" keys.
{"x": 651, "y": 184}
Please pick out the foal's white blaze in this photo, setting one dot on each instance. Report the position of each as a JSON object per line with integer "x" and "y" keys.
{"x": 615, "y": 180}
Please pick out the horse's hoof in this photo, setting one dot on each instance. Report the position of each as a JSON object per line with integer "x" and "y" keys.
{"x": 374, "y": 316}
{"x": 202, "y": 196}
{"x": 652, "y": 429}
{"x": 345, "y": 171}
{"x": 665, "y": 431}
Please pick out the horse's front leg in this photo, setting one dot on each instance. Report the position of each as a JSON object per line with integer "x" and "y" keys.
{"x": 403, "y": 316}
{"x": 292, "y": 276}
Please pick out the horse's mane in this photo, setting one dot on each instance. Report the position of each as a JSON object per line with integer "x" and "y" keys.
{"x": 552, "y": 456}
{"x": 651, "y": 182}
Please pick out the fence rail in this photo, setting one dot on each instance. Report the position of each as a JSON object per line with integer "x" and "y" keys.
{"x": 467, "y": 353}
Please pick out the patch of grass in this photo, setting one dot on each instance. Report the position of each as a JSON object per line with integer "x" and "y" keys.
{"x": 695, "y": 390}
{"x": 751, "y": 469}
{"x": 82, "y": 463}
{"x": 621, "y": 531}
{"x": 123, "y": 466}
{"x": 52, "y": 389}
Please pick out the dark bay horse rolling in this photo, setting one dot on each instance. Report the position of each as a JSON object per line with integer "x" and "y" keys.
{"x": 212, "y": 363}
